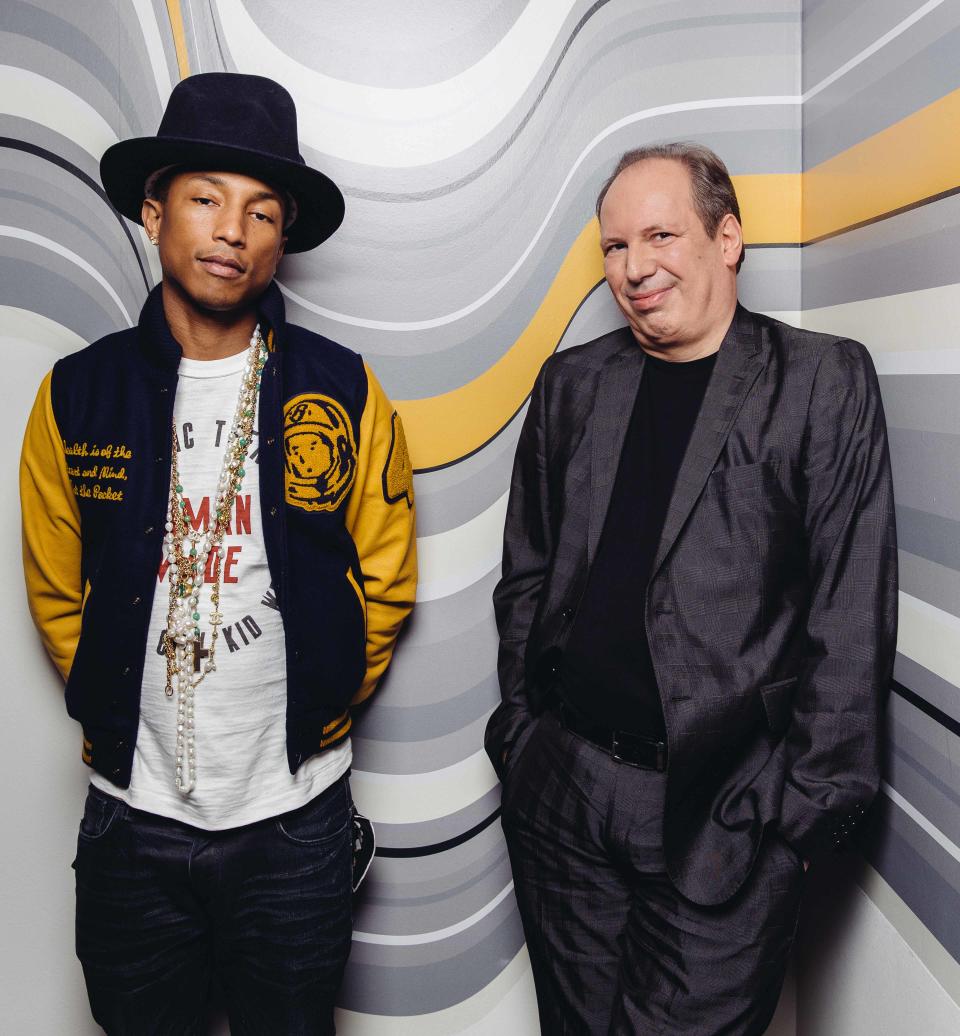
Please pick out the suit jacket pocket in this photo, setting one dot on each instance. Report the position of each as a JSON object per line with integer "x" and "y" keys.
{"x": 778, "y": 703}
{"x": 743, "y": 479}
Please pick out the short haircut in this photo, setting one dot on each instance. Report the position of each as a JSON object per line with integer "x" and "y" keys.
{"x": 157, "y": 186}
{"x": 710, "y": 183}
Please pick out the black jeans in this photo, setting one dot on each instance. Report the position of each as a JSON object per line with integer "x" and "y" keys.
{"x": 164, "y": 908}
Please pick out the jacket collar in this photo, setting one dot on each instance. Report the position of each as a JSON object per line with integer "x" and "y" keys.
{"x": 164, "y": 351}
{"x": 739, "y": 362}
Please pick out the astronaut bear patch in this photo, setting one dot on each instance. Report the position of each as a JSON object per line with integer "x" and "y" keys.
{"x": 319, "y": 452}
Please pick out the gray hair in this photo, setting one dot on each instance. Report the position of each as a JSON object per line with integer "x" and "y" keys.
{"x": 710, "y": 183}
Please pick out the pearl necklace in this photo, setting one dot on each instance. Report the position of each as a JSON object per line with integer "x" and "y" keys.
{"x": 187, "y": 551}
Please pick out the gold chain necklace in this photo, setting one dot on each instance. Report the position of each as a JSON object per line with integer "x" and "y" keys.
{"x": 187, "y": 551}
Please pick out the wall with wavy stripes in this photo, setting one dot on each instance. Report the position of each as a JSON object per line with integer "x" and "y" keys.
{"x": 470, "y": 139}
{"x": 882, "y": 203}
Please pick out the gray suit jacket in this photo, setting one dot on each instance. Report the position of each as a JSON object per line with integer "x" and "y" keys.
{"x": 771, "y": 607}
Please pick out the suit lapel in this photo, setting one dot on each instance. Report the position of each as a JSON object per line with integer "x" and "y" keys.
{"x": 739, "y": 362}
{"x": 616, "y": 395}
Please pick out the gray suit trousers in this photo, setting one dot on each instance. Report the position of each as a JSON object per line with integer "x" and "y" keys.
{"x": 614, "y": 947}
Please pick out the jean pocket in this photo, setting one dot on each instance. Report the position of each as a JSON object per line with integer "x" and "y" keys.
{"x": 321, "y": 821}
{"x": 100, "y": 813}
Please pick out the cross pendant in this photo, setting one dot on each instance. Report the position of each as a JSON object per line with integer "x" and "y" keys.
{"x": 199, "y": 654}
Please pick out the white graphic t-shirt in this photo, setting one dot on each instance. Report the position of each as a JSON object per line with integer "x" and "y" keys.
{"x": 240, "y": 708}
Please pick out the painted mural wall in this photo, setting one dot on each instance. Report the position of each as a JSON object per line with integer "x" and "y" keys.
{"x": 470, "y": 138}
{"x": 881, "y": 157}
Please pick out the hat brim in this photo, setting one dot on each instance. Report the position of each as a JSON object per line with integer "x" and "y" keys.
{"x": 125, "y": 167}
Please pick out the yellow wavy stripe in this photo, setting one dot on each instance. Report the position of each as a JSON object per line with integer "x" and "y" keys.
{"x": 444, "y": 428}
{"x": 179, "y": 37}
{"x": 914, "y": 159}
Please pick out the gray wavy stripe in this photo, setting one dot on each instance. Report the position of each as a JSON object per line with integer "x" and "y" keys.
{"x": 472, "y": 644}
{"x": 920, "y": 767}
{"x": 96, "y": 51}
{"x": 431, "y": 893}
{"x": 909, "y": 73}
{"x": 481, "y": 157}
{"x": 925, "y": 466}
{"x": 406, "y": 721}
{"x": 443, "y": 887}
{"x": 922, "y": 873}
{"x": 356, "y": 271}
{"x": 28, "y": 282}
{"x": 436, "y": 621}
{"x": 453, "y": 825}
{"x": 26, "y": 130}
{"x": 835, "y": 30}
{"x": 561, "y": 129}
{"x": 408, "y": 747}
{"x": 939, "y": 692}
{"x": 927, "y": 581}
{"x": 379, "y": 44}
{"x": 922, "y": 402}
{"x": 52, "y": 202}
{"x": 929, "y": 536}
{"x": 448, "y": 497}
{"x": 433, "y": 977}
{"x": 617, "y": 40}
{"x": 908, "y": 252}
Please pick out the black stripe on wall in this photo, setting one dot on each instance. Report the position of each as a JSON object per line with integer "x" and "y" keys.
{"x": 948, "y": 722}
{"x": 58, "y": 160}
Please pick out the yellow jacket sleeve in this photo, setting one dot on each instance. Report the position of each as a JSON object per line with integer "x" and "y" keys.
{"x": 51, "y": 534}
{"x": 380, "y": 518}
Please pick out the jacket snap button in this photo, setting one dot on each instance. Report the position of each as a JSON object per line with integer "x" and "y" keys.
{"x": 271, "y": 441}
{"x": 567, "y": 613}
{"x": 136, "y": 600}
{"x": 126, "y": 671}
{"x": 148, "y": 530}
{"x": 273, "y": 512}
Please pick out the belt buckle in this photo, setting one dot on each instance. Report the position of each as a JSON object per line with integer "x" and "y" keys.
{"x": 660, "y": 753}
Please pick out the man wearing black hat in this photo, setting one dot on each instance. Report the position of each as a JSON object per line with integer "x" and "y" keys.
{"x": 219, "y": 553}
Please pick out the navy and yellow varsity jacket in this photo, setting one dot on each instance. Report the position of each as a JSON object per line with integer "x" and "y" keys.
{"x": 336, "y": 498}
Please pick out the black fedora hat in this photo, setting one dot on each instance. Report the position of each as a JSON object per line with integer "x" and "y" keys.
{"x": 228, "y": 122}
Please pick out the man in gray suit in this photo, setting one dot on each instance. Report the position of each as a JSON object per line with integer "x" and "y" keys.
{"x": 698, "y": 620}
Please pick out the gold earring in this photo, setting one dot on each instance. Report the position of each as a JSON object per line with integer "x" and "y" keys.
{"x": 155, "y": 241}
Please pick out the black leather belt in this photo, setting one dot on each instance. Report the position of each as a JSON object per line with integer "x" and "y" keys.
{"x": 622, "y": 745}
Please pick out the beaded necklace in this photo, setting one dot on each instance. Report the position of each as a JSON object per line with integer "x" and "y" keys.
{"x": 187, "y": 552}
